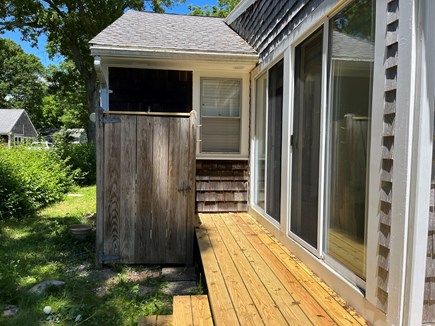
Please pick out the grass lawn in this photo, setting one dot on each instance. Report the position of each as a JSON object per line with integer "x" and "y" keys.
{"x": 39, "y": 248}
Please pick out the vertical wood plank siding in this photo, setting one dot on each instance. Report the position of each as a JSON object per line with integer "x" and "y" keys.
{"x": 390, "y": 92}
{"x": 267, "y": 22}
{"x": 221, "y": 186}
{"x": 146, "y": 186}
{"x": 429, "y": 291}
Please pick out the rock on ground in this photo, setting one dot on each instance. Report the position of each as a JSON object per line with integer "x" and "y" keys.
{"x": 41, "y": 287}
{"x": 10, "y": 311}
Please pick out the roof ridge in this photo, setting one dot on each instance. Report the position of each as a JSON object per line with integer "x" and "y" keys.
{"x": 175, "y": 14}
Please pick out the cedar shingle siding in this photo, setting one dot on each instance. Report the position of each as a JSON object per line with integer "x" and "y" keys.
{"x": 24, "y": 127}
{"x": 267, "y": 22}
{"x": 221, "y": 186}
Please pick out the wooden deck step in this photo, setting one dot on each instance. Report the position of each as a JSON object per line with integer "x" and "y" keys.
{"x": 252, "y": 279}
{"x": 192, "y": 310}
{"x": 155, "y": 320}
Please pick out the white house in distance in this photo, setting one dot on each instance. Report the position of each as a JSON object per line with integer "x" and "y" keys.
{"x": 317, "y": 117}
{"x": 16, "y": 127}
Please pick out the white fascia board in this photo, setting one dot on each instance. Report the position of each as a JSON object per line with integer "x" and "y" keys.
{"x": 407, "y": 173}
{"x": 238, "y": 10}
{"x": 375, "y": 153}
{"x": 421, "y": 165}
{"x": 131, "y": 52}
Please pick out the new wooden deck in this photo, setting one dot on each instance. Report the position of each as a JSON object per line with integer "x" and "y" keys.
{"x": 252, "y": 279}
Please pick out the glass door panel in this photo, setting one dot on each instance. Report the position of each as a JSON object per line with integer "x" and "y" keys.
{"x": 305, "y": 140}
{"x": 274, "y": 141}
{"x": 351, "y": 69}
{"x": 260, "y": 140}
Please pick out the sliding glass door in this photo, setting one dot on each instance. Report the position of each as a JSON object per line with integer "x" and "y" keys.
{"x": 305, "y": 140}
{"x": 351, "y": 69}
{"x": 268, "y": 141}
{"x": 329, "y": 128}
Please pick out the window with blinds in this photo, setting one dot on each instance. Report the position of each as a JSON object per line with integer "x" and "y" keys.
{"x": 221, "y": 101}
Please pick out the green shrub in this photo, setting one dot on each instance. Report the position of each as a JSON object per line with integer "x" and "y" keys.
{"x": 31, "y": 179}
{"x": 13, "y": 200}
{"x": 82, "y": 159}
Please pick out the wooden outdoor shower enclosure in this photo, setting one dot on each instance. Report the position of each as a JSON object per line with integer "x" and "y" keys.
{"x": 145, "y": 187}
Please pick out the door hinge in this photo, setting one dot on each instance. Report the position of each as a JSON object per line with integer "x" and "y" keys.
{"x": 102, "y": 258}
{"x": 108, "y": 119}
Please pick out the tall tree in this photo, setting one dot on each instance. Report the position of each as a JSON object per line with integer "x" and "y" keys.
{"x": 21, "y": 82}
{"x": 64, "y": 106}
{"x": 223, "y": 8}
{"x": 69, "y": 25}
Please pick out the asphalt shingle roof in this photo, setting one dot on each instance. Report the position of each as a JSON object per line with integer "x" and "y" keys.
{"x": 351, "y": 47}
{"x": 8, "y": 119}
{"x": 169, "y": 32}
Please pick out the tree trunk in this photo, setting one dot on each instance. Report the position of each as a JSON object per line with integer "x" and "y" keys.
{"x": 93, "y": 101}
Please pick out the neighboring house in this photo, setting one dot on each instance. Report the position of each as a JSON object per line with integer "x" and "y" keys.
{"x": 326, "y": 109}
{"x": 15, "y": 127}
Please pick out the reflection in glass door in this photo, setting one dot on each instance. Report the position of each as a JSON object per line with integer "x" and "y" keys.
{"x": 351, "y": 69}
{"x": 274, "y": 141}
{"x": 305, "y": 140}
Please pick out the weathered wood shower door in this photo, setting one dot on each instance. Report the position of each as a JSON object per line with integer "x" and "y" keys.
{"x": 145, "y": 187}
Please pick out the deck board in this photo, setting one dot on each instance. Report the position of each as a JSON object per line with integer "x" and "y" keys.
{"x": 261, "y": 282}
{"x": 221, "y": 305}
{"x": 183, "y": 314}
{"x": 201, "y": 310}
{"x": 266, "y": 283}
{"x": 242, "y": 301}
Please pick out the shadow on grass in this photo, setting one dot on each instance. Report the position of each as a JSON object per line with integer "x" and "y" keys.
{"x": 35, "y": 249}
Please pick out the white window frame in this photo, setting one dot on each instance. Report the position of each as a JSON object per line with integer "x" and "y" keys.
{"x": 18, "y": 139}
{"x": 244, "y": 112}
{"x": 237, "y": 118}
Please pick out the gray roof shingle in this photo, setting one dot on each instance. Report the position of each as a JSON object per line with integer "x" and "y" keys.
{"x": 8, "y": 119}
{"x": 347, "y": 47}
{"x": 171, "y": 33}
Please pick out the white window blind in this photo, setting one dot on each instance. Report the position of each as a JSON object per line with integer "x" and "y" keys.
{"x": 220, "y": 115}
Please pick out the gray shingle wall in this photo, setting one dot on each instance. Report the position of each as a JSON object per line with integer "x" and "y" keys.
{"x": 24, "y": 127}
{"x": 388, "y": 141}
{"x": 166, "y": 32}
{"x": 266, "y": 23}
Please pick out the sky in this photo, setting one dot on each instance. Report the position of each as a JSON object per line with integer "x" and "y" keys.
{"x": 43, "y": 56}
